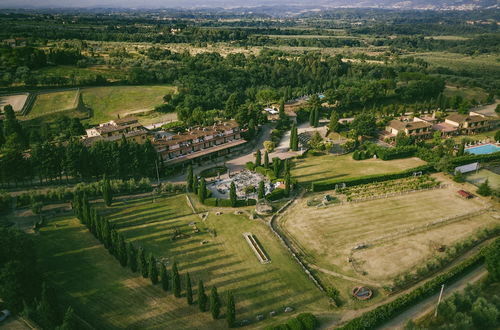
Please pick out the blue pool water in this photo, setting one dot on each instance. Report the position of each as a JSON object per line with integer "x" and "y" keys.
{"x": 484, "y": 149}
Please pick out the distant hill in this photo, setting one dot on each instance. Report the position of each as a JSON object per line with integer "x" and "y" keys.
{"x": 304, "y": 4}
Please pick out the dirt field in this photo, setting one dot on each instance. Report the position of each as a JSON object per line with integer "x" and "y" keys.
{"x": 327, "y": 235}
{"x": 16, "y": 101}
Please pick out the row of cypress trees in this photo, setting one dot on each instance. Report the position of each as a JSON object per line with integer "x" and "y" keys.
{"x": 136, "y": 260}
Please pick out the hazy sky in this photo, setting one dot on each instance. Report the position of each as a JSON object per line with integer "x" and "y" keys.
{"x": 145, "y": 3}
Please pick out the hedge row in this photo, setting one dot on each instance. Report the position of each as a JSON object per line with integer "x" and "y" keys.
{"x": 467, "y": 159}
{"x": 304, "y": 321}
{"x": 396, "y": 153}
{"x": 384, "y": 313}
{"x": 227, "y": 202}
{"x": 276, "y": 194}
{"x": 330, "y": 184}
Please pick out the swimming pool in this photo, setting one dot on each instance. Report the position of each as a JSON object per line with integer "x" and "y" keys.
{"x": 484, "y": 149}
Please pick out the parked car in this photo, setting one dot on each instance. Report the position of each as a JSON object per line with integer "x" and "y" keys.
{"x": 4, "y": 314}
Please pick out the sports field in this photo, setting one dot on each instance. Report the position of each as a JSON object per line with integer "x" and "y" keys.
{"x": 49, "y": 103}
{"x": 104, "y": 293}
{"x": 315, "y": 168}
{"x": 326, "y": 236}
{"x": 107, "y": 103}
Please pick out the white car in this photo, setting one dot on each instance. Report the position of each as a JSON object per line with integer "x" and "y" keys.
{"x": 4, "y": 314}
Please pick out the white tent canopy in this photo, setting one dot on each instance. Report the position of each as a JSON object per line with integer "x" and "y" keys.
{"x": 467, "y": 168}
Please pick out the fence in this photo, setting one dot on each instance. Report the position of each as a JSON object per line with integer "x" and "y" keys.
{"x": 290, "y": 249}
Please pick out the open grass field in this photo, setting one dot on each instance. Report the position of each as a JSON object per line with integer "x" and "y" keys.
{"x": 109, "y": 102}
{"x": 50, "y": 103}
{"x": 314, "y": 168}
{"x": 104, "y": 293}
{"x": 326, "y": 236}
{"x": 470, "y": 93}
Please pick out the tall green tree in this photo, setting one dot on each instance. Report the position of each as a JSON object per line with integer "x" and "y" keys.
{"x": 214, "y": 303}
{"x": 266, "y": 159}
{"x": 164, "y": 278}
{"x": 194, "y": 185}
{"x": 493, "y": 260}
{"x": 258, "y": 156}
{"x": 231, "y": 106}
{"x": 276, "y": 166}
{"x": 122, "y": 251}
{"x": 261, "y": 191}
{"x": 152, "y": 269}
{"x": 287, "y": 184}
{"x": 333, "y": 125}
{"x": 282, "y": 108}
{"x": 107, "y": 194}
{"x": 176, "y": 281}
{"x": 202, "y": 297}
{"x": 294, "y": 138}
{"x": 189, "y": 178}
{"x": 202, "y": 190}
{"x": 232, "y": 194}
{"x": 189, "y": 290}
{"x": 131, "y": 257}
{"x": 231, "y": 310}
{"x": 142, "y": 262}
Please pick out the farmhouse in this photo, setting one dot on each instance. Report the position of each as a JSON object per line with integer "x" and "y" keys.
{"x": 417, "y": 128}
{"x": 200, "y": 143}
{"x": 468, "y": 124}
{"x": 113, "y": 130}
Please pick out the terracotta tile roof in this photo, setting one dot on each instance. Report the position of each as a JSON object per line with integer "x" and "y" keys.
{"x": 401, "y": 125}
{"x": 459, "y": 118}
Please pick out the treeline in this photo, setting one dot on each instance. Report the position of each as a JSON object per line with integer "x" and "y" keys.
{"x": 138, "y": 260}
{"x": 22, "y": 285}
{"x": 47, "y": 161}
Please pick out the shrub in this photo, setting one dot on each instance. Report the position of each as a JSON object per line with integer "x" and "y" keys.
{"x": 250, "y": 166}
{"x": 308, "y": 320}
{"x": 276, "y": 194}
{"x": 210, "y": 201}
{"x": 294, "y": 324}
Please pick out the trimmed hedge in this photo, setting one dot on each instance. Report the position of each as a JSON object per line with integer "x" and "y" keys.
{"x": 330, "y": 184}
{"x": 276, "y": 194}
{"x": 396, "y": 153}
{"x": 384, "y": 313}
{"x": 304, "y": 321}
{"x": 227, "y": 203}
{"x": 462, "y": 160}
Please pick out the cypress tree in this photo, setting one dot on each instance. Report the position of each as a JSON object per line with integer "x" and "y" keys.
{"x": 294, "y": 138}
{"x": 316, "y": 117}
{"x": 142, "y": 263}
{"x": 122, "y": 251}
{"x": 164, "y": 278}
{"x": 258, "y": 157}
{"x": 153, "y": 269}
{"x": 176, "y": 281}
{"x": 107, "y": 194}
{"x": 282, "y": 108}
{"x": 286, "y": 168}
{"x": 202, "y": 190}
{"x": 194, "y": 187}
{"x": 189, "y": 290}
{"x": 231, "y": 310}
{"x": 276, "y": 166}
{"x": 311, "y": 117}
{"x": 266, "y": 159}
{"x": 262, "y": 190}
{"x": 131, "y": 257}
{"x": 202, "y": 297}
{"x": 333, "y": 126}
{"x": 232, "y": 194}
{"x": 106, "y": 234}
{"x": 189, "y": 178}
{"x": 287, "y": 184}
{"x": 214, "y": 303}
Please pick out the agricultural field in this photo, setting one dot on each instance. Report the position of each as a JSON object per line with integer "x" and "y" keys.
{"x": 73, "y": 72}
{"x": 53, "y": 102}
{"x": 315, "y": 168}
{"x": 112, "y": 297}
{"x": 394, "y": 229}
{"x": 107, "y": 103}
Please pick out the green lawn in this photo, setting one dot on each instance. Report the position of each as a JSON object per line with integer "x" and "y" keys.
{"x": 49, "y": 103}
{"x": 315, "y": 168}
{"x": 112, "y": 297}
{"x": 109, "y": 102}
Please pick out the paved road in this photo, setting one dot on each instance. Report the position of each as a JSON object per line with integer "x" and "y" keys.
{"x": 429, "y": 304}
